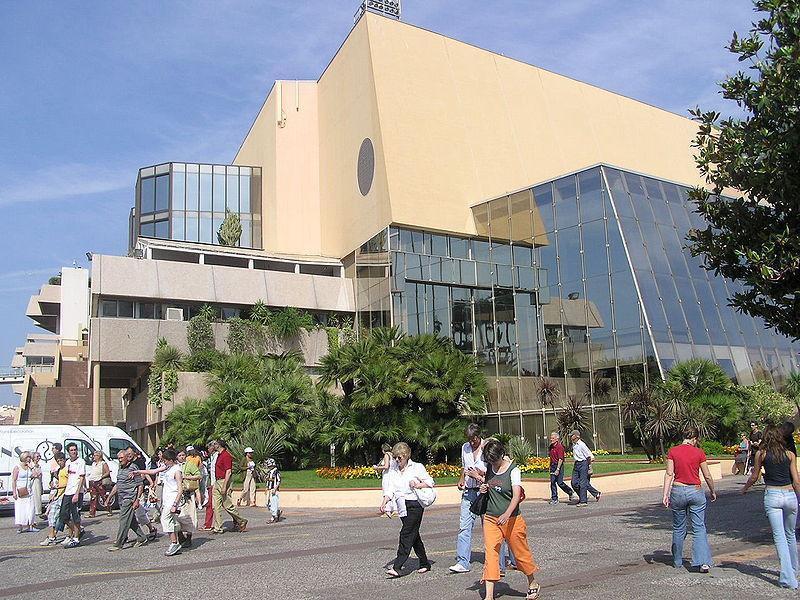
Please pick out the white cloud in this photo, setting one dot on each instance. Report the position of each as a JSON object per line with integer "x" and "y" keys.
{"x": 59, "y": 182}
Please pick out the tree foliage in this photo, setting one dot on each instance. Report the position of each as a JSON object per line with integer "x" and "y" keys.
{"x": 752, "y": 236}
{"x": 230, "y": 232}
{"x": 396, "y": 387}
{"x": 200, "y": 334}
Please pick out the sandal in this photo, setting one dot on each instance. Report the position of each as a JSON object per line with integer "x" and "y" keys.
{"x": 423, "y": 570}
{"x": 392, "y": 573}
{"x": 533, "y": 592}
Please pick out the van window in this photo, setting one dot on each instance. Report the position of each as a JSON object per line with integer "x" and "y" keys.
{"x": 117, "y": 444}
{"x": 85, "y": 450}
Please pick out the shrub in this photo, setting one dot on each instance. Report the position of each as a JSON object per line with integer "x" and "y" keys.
{"x": 288, "y": 322}
{"x": 712, "y": 448}
{"x": 200, "y": 334}
{"x": 519, "y": 449}
{"x": 202, "y": 361}
{"x": 761, "y": 403}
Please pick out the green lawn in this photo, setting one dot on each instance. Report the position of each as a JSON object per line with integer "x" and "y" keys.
{"x": 307, "y": 479}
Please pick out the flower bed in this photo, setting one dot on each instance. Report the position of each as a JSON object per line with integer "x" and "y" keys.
{"x": 536, "y": 465}
{"x": 348, "y": 473}
{"x": 732, "y": 449}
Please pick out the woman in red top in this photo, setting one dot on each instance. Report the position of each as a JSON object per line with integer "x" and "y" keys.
{"x": 684, "y": 494}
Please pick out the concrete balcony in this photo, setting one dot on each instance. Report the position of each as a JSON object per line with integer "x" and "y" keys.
{"x": 133, "y": 341}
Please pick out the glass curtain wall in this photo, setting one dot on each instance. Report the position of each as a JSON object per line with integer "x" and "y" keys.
{"x": 187, "y": 202}
{"x": 686, "y": 306}
{"x": 582, "y": 286}
{"x": 372, "y": 283}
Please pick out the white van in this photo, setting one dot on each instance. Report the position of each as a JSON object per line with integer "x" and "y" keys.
{"x": 15, "y": 439}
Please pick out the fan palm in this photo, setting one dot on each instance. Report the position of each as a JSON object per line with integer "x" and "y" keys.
{"x": 699, "y": 376}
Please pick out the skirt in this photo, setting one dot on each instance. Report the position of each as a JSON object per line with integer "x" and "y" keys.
{"x": 24, "y": 511}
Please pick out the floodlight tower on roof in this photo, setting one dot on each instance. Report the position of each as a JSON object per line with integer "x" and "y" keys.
{"x": 387, "y": 8}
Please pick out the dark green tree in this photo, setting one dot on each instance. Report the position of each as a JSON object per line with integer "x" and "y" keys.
{"x": 752, "y": 235}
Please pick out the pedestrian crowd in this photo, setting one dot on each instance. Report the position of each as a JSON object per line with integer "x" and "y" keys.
{"x": 182, "y": 487}
{"x": 171, "y": 490}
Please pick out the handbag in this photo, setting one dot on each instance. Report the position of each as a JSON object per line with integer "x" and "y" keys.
{"x": 191, "y": 485}
{"x": 425, "y": 496}
{"x": 479, "y": 505}
{"x": 23, "y": 492}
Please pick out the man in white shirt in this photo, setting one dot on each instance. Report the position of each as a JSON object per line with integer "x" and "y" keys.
{"x": 473, "y": 464}
{"x": 73, "y": 496}
{"x": 580, "y": 472}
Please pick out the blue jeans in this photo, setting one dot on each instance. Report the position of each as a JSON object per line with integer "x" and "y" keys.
{"x": 580, "y": 479}
{"x": 465, "y": 525}
{"x": 781, "y": 509}
{"x": 688, "y": 502}
{"x": 506, "y": 557}
{"x": 557, "y": 481}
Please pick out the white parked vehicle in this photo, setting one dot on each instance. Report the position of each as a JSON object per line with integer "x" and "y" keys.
{"x": 15, "y": 439}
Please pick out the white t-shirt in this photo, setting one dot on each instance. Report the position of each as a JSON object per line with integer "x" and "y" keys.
{"x": 516, "y": 476}
{"x": 469, "y": 460}
{"x": 251, "y": 466}
{"x": 76, "y": 469}
{"x": 170, "y": 482}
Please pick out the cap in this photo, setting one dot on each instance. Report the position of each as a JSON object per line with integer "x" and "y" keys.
{"x": 189, "y": 448}
{"x": 575, "y": 432}
{"x": 248, "y": 449}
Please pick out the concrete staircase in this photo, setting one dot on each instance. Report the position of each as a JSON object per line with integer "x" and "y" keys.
{"x": 69, "y": 402}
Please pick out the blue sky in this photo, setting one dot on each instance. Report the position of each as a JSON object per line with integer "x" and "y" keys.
{"x": 90, "y": 91}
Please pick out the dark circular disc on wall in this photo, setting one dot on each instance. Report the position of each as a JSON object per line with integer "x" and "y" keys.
{"x": 366, "y": 166}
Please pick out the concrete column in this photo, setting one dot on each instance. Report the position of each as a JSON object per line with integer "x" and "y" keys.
{"x": 96, "y": 394}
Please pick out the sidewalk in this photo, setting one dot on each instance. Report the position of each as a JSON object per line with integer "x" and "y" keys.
{"x": 609, "y": 483}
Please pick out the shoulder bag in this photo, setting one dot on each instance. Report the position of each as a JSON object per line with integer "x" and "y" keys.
{"x": 479, "y": 505}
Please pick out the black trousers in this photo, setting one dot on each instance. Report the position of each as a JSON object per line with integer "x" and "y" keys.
{"x": 409, "y": 536}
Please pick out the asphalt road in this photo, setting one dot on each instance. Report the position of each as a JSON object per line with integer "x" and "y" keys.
{"x": 617, "y": 548}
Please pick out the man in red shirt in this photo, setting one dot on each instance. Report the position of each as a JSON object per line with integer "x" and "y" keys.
{"x": 557, "y": 469}
{"x": 223, "y": 470}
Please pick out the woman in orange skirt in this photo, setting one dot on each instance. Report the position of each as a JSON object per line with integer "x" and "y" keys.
{"x": 502, "y": 521}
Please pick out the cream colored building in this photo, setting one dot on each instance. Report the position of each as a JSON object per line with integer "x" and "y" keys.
{"x": 423, "y": 182}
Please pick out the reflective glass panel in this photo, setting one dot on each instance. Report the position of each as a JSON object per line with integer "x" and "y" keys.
{"x": 192, "y": 191}
{"x": 148, "y": 195}
{"x": 178, "y": 191}
{"x": 232, "y": 189}
{"x": 219, "y": 192}
{"x": 162, "y": 193}
{"x": 244, "y": 193}
{"x": 205, "y": 192}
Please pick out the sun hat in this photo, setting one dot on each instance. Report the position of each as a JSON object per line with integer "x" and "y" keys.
{"x": 248, "y": 450}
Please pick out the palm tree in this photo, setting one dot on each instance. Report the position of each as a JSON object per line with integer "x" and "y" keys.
{"x": 793, "y": 389}
{"x": 166, "y": 357}
{"x": 662, "y": 420}
{"x": 572, "y": 417}
{"x": 548, "y": 391}
{"x": 699, "y": 376}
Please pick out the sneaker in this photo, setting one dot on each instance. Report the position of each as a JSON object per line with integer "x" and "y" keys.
{"x": 597, "y": 498}
{"x": 187, "y": 541}
{"x": 66, "y": 541}
{"x": 48, "y": 541}
{"x": 81, "y": 533}
{"x": 139, "y": 543}
{"x": 553, "y": 502}
{"x": 582, "y": 504}
{"x": 705, "y": 569}
{"x": 573, "y": 498}
{"x": 73, "y": 543}
{"x": 242, "y": 526}
{"x": 114, "y": 548}
{"x": 459, "y": 568}
{"x": 173, "y": 550}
